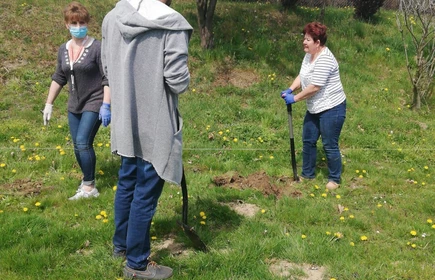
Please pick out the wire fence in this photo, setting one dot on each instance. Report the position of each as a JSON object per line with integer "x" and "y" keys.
{"x": 388, "y": 4}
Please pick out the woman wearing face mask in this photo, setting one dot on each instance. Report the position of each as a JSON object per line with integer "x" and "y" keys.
{"x": 319, "y": 80}
{"x": 79, "y": 65}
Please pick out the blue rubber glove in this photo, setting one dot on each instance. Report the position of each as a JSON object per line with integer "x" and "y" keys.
{"x": 288, "y": 96}
{"x": 105, "y": 115}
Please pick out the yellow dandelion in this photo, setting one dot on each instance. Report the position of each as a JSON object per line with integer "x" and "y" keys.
{"x": 101, "y": 172}
{"x": 338, "y": 235}
{"x": 429, "y": 221}
{"x": 62, "y": 153}
{"x": 235, "y": 140}
{"x": 414, "y": 246}
{"x": 263, "y": 211}
{"x": 413, "y": 232}
{"x": 303, "y": 236}
{"x": 337, "y": 196}
{"x": 36, "y": 144}
{"x": 105, "y": 220}
{"x": 202, "y": 222}
{"x": 346, "y": 209}
{"x": 76, "y": 215}
{"x": 14, "y": 171}
{"x": 341, "y": 218}
{"x": 426, "y": 167}
{"x": 59, "y": 126}
{"x": 271, "y": 157}
{"x": 312, "y": 195}
{"x": 2, "y": 164}
{"x": 379, "y": 205}
{"x": 103, "y": 213}
{"x": 352, "y": 244}
{"x": 220, "y": 132}
{"x": 98, "y": 217}
{"x": 1, "y": 211}
{"x": 201, "y": 213}
{"x": 25, "y": 209}
{"x": 328, "y": 233}
{"x": 316, "y": 187}
{"x": 364, "y": 238}
{"x": 351, "y": 216}
{"x": 37, "y": 204}
{"x": 194, "y": 90}
{"x": 357, "y": 171}
{"x": 387, "y": 49}
{"x": 433, "y": 226}
{"x": 114, "y": 188}
{"x": 154, "y": 237}
{"x": 324, "y": 195}
{"x": 100, "y": 144}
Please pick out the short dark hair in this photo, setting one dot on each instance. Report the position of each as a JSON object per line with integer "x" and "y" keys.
{"x": 317, "y": 31}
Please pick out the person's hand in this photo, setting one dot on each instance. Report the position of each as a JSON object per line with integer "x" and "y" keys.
{"x": 288, "y": 96}
{"x": 46, "y": 114}
{"x": 285, "y": 92}
{"x": 105, "y": 115}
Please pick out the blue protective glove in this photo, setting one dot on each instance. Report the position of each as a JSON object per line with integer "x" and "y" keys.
{"x": 105, "y": 115}
{"x": 288, "y": 96}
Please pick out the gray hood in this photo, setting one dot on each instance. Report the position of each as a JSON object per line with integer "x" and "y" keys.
{"x": 138, "y": 16}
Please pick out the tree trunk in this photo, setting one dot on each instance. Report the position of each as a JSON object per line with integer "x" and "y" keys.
{"x": 416, "y": 100}
{"x": 206, "y": 10}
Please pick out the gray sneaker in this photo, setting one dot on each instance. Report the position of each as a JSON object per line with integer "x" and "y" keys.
{"x": 153, "y": 271}
{"x": 84, "y": 194}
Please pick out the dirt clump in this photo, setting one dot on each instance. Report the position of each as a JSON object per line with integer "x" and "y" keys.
{"x": 259, "y": 181}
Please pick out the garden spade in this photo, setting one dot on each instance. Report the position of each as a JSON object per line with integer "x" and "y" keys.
{"x": 190, "y": 232}
{"x": 292, "y": 143}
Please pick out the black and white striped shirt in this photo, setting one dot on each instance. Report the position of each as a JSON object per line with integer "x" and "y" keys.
{"x": 323, "y": 72}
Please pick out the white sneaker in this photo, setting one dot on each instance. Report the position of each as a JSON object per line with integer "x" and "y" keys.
{"x": 84, "y": 194}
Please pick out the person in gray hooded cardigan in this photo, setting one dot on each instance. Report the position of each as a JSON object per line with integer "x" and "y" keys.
{"x": 144, "y": 56}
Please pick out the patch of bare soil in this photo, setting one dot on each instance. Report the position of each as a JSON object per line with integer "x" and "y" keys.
{"x": 239, "y": 78}
{"x": 288, "y": 270}
{"x": 259, "y": 181}
{"x": 175, "y": 249}
{"x": 244, "y": 209}
{"x": 22, "y": 187}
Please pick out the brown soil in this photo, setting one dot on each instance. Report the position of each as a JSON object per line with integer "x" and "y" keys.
{"x": 285, "y": 269}
{"x": 260, "y": 181}
{"x": 22, "y": 187}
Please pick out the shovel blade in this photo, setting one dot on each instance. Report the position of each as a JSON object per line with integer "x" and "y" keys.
{"x": 197, "y": 242}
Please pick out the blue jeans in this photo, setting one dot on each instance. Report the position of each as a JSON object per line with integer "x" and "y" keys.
{"x": 327, "y": 124}
{"x": 83, "y": 128}
{"x": 139, "y": 189}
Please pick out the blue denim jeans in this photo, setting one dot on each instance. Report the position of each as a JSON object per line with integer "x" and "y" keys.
{"x": 139, "y": 189}
{"x": 327, "y": 124}
{"x": 83, "y": 128}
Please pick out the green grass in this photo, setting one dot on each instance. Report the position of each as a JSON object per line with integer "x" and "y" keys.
{"x": 387, "y": 149}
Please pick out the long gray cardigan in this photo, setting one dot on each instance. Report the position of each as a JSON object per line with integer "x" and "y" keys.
{"x": 145, "y": 61}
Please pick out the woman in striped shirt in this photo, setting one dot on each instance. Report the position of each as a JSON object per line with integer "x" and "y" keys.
{"x": 320, "y": 84}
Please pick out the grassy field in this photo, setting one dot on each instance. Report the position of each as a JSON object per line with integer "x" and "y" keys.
{"x": 257, "y": 223}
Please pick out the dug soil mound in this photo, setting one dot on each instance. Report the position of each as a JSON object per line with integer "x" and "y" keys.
{"x": 260, "y": 181}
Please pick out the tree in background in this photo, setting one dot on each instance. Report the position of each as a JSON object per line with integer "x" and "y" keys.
{"x": 366, "y": 9}
{"x": 416, "y": 18}
{"x": 206, "y": 10}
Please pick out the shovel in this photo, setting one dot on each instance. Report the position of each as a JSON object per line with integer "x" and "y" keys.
{"x": 190, "y": 232}
{"x": 292, "y": 143}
